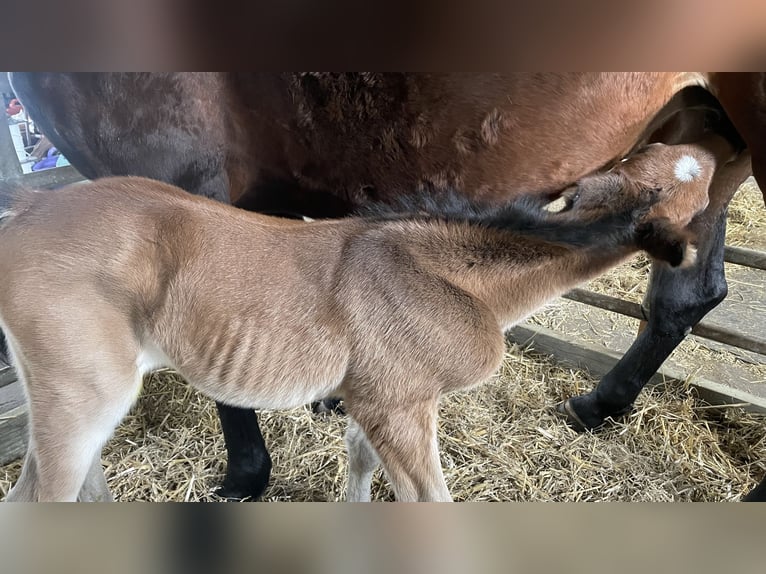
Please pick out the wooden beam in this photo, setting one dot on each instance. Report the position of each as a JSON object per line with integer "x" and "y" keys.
{"x": 7, "y": 376}
{"x": 606, "y": 302}
{"x": 702, "y": 329}
{"x": 599, "y": 361}
{"x": 14, "y": 419}
{"x": 746, "y": 257}
{"x": 49, "y": 178}
{"x": 11, "y": 396}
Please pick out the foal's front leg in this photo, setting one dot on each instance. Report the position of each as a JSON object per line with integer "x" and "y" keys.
{"x": 678, "y": 299}
{"x": 404, "y": 437}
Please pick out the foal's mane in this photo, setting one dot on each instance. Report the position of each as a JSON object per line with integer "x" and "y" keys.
{"x": 525, "y": 215}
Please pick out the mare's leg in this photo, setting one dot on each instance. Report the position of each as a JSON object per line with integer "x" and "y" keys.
{"x": 362, "y": 463}
{"x": 404, "y": 437}
{"x": 249, "y": 462}
{"x": 678, "y": 299}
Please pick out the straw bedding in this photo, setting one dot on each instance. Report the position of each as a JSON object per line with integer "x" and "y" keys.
{"x": 500, "y": 441}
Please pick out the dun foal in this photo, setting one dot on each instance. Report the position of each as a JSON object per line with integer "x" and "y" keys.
{"x": 103, "y": 282}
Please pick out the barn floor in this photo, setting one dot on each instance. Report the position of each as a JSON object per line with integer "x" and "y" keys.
{"x": 500, "y": 441}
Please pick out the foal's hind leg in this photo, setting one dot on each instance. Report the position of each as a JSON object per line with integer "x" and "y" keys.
{"x": 94, "y": 488}
{"x": 79, "y": 389}
{"x": 678, "y": 300}
{"x": 404, "y": 436}
{"x": 68, "y": 430}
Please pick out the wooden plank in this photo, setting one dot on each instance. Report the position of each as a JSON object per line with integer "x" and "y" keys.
{"x": 606, "y": 302}
{"x": 746, "y": 257}
{"x": 50, "y": 178}
{"x": 702, "y": 329}
{"x": 14, "y": 418}
{"x": 7, "y": 376}
{"x": 598, "y": 362}
{"x": 11, "y": 396}
{"x": 13, "y": 434}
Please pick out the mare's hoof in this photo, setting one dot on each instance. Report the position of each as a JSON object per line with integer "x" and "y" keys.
{"x": 328, "y": 407}
{"x": 565, "y": 411}
{"x": 241, "y": 490}
{"x": 581, "y": 423}
{"x": 245, "y": 483}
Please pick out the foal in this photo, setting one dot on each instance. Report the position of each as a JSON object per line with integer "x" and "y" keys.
{"x": 102, "y": 282}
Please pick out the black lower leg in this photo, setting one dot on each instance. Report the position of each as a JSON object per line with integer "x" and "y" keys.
{"x": 249, "y": 463}
{"x": 678, "y": 299}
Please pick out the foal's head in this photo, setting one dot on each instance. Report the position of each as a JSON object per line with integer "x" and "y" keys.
{"x": 665, "y": 186}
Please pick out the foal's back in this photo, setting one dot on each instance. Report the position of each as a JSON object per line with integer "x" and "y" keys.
{"x": 201, "y": 285}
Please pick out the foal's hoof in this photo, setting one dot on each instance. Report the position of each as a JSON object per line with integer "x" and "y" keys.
{"x": 582, "y": 423}
{"x": 328, "y": 407}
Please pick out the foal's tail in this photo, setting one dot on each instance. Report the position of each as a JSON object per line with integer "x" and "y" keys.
{"x": 15, "y": 198}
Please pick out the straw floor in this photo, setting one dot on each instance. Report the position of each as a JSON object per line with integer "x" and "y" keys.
{"x": 500, "y": 442}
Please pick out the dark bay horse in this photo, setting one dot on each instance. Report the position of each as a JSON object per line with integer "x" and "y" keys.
{"x": 324, "y": 144}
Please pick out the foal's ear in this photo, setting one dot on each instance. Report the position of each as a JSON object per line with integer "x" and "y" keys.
{"x": 666, "y": 242}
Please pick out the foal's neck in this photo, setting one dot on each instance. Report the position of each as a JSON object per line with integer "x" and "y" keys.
{"x": 513, "y": 274}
